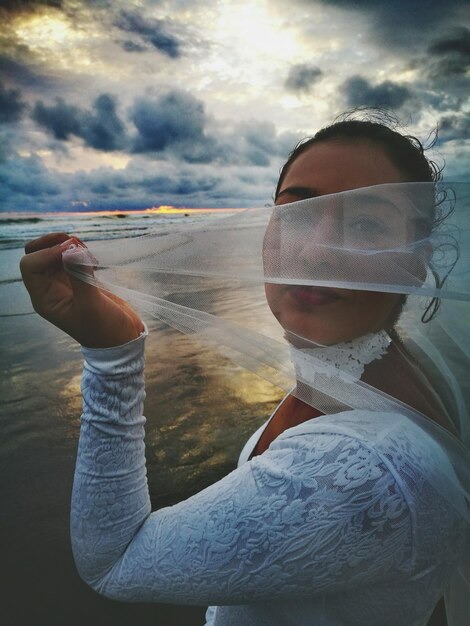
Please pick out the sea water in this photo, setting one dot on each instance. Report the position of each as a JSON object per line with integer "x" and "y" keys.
{"x": 18, "y": 228}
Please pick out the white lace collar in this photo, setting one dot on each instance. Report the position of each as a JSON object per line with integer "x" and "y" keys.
{"x": 345, "y": 360}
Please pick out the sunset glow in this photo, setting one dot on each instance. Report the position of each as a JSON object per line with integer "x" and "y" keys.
{"x": 46, "y": 32}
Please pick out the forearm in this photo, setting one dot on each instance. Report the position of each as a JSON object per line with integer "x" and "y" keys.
{"x": 110, "y": 498}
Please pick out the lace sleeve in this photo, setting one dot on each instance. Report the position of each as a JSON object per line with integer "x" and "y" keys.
{"x": 309, "y": 515}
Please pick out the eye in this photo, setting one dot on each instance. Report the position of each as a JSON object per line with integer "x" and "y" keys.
{"x": 368, "y": 226}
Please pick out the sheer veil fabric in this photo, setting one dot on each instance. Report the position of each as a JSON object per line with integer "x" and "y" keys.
{"x": 249, "y": 285}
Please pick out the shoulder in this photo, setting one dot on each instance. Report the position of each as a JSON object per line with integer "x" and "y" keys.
{"x": 338, "y": 453}
{"x": 341, "y": 490}
{"x": 373, "y": 461}
{"x": 393, "y": 436}
{"x": 365, "y": 446}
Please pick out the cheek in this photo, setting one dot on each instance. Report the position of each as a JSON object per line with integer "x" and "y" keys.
{"x": 373, "y": 310}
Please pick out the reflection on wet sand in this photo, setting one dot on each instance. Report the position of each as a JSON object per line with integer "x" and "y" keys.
{"x": 200, "y": 410}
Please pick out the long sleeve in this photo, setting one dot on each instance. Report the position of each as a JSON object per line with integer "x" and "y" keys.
{"x": 311, "y": 515}
{"x": 110, "y": 499}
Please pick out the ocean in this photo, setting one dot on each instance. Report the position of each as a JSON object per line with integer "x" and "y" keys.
{"x": 199, "y": 414}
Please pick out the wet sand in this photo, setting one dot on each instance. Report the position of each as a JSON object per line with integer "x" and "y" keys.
{"x": 199, "y": 416}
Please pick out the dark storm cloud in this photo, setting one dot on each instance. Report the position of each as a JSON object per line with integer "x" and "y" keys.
{"x": 183, "y": 185}
{"x": 359, "y": 92}
{"x": 402, "y": 24}
{"x": 302, "y": 76}
{"x": 11, "y": 105}
{"x": 450, "y": 55}
{"x": 174, "y": 122}
{"x": 445, "y": 69}
{"x": 27, "y": 185}
{"x": 62, "y": 119}
{"x": 185, "y": 146}
{"x": 26, "y": 6}
{"x": 453, "y": 127}
{"x": 457, "y": 43}
{"x": 16, "y": 7}
{"x": 21, "y": 73}
{"x": 103, "y": 129}
{"x": 100, "y": 128}
{"x": 151, "y": 31}
{"x": 172, "y": 127}
{"x": 256, "y": 142}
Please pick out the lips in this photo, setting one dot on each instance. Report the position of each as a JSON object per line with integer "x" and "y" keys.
{"x": 312, "y": 296}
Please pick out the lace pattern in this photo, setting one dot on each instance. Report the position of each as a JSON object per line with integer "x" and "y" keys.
{"x": 346, "y": 360}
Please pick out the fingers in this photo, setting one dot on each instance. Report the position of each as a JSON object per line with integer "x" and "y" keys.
{"x": 40, "y": 259}
{"x": 45, "y": 253}
{"x": 46, "y": 241}
{"x": 43, "y": 261}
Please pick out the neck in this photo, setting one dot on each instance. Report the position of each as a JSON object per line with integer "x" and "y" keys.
{"x": 346, "y": 360}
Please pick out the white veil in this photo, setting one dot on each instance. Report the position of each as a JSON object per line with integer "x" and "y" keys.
{"x": 408, "y": 240}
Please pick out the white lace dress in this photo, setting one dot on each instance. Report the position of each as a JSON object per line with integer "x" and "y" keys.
{"x": 321, "y": 529}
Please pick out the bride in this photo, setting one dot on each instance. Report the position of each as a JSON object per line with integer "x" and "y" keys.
{"x": 347, "y": 506}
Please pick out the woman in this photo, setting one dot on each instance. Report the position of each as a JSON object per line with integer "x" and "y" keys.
{"x": 329, "y": 519}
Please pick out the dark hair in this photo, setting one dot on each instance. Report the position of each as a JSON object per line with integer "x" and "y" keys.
{"x": 406, "y": 152}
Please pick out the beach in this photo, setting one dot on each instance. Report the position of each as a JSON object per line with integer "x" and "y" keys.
{"x": 200, "y": 410}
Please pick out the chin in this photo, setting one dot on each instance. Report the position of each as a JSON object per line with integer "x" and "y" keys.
{"x": 305, "y": 333}
{"x": 354, "y": 314}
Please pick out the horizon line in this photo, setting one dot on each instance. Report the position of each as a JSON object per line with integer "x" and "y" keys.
{"x": 162, "y": 209}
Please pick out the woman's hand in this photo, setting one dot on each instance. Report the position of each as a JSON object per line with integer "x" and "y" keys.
{"x": 95, "y": 318}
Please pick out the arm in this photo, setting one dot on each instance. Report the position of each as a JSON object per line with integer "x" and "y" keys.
{"x": 110, "y": 498}
{"x": 296, "y": 520}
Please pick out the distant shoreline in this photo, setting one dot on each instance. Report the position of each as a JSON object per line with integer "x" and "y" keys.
{"x": 161, "y": 210}
{"x": 17, "y": 227}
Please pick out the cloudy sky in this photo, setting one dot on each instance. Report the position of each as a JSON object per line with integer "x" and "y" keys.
{"x": 121, "y": 104}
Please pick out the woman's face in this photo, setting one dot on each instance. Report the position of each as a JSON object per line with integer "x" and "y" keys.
{"x": 329, "y": 316}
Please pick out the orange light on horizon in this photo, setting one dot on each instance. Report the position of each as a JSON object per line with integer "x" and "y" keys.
{"x": 166, "y": 208}
{"x": 163, "y": 209}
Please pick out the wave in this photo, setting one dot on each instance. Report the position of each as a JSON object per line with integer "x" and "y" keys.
{"x": 20, "y": 220}
{"x": 8, "y": 281}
